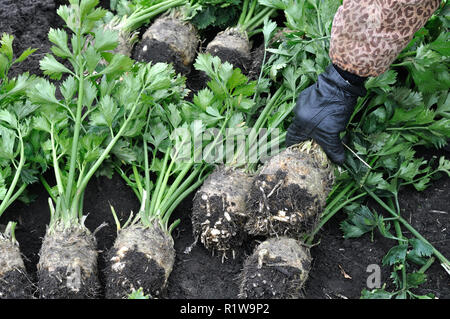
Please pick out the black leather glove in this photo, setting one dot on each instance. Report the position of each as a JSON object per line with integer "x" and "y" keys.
{"x": 323, "y": 111}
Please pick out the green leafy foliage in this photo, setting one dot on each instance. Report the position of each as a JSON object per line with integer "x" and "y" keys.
{"x": 307, "y": 34}
{"x": 100, "y": 108}
{"x": 405, "y": 108}
{"x": 180, "y": 137}
{"x": 138, "y": 294}
{"x": 214, "y": 13}
{"x": 18, "y": 157}
{"x": 309, "y": 17}
{"x": 362, "y": 220}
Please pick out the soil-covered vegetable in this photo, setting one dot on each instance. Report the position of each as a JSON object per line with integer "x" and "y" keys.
{"x": 141, "y": 257}
{"x": 290, "y": 191}
{"x": 99, "y": 106}
{"x": 17, "y": 169}
{"x": 143, "y": 253}
{"x": 130, "y": 17}
{"x": 277, "y": 269}
{"x": 219, "y": 207}
{"x": 67, "y": 266}
{"x": 169, "y": 39}
{"x": 231, "y": 45}
{"x": 219, "y": 213}
{"x": 392, "y": 157}
{"x": 14, "y": 280}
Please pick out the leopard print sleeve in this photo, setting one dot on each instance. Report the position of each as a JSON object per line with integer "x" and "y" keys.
{"x": 367, "y": 35}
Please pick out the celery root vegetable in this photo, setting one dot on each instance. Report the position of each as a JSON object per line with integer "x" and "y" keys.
{"x": 67, "y": 265}
{"x": 277, "y": 269}
{"x": 99, "y": 107}
{"x": 219, "y": 209}
{"x": 219, "y": 213}
{"x": 143, "y": 254}
{"x": 14, "y": 281}
{"x": 15, "y": 146}
{"x": 170, "y": 39}
{"x": 289, "y": 192}
{"x": 142, "y": 257}
{"x": 232, "y": 45}
{"x": 128, "y": 25}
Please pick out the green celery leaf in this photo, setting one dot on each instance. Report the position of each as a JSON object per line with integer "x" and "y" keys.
{"x": 383, "y": 81}
{"x": 359, "y": 222}
{"x": 7, "y": 142}
{"x": 396, "y": 254}
{"x": 52, "y": 68}
{"x": 376, "y": 294}
{"x": 415, "y": 279}
{"x": 60, "y": 39}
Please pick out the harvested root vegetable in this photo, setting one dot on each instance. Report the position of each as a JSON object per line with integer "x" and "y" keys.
{"x": 128, "y": 25}
{"x": 290, "y": 191}
{"x": 277, "y": 269}
{"x": 171, "y": 40}
{"x": 16, "y": 149}
{"x": 68, "y": 259}
{"x": 143, "y": 254}
{"x": 218, "y": 214}
{"x": 14, "y": 281}
{"x": 219, "y": 210}
{"x": 142, "y": 257}
{"x": 232, "y": 46}
{"x": 67, "y": 266}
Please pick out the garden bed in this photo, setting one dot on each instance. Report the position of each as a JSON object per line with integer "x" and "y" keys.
{"x": 339, "y": 268}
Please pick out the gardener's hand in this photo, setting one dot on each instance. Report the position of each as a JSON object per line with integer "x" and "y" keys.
{"x": 323, "y": 111}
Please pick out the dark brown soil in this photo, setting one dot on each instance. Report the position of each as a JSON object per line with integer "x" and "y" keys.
{"x": 157, "y": 51}
{"x": 139, "y": 271}
{"x": 29, "y": 22}
{"x": 231, "y": 56}
{"x": 338, "y": 267}
{"x": 15, "y": 284}
{"x": 289, "y": 199}
{"x": 256, "y": 62}
{"x": 277, "y": 269}
{"x": 53, "y": 285}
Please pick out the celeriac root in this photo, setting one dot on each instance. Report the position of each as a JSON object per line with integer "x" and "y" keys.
{"x": 218, "y": 214}
{"x": 67, "y": 266}
{"x": 140, "y": 258}
{"x": 233, "y": 46}
{"x": 277, "y": 269}
{"x": 171, "y": 40}
{"x": 289, "y": 193}
{"x": 14, "y": 281}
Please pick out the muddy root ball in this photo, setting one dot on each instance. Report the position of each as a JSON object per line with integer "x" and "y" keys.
{"x": 231, "y": 46}
{"x": 289, "y": 193}
{"x": 169, "y": 40}
{"x": 140, "y": 258}
{"x": 218, "y": 214}
{"x": 14, "y": 281}
{"x": 277, "y": 269}
{"x": 67, "y": 267}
